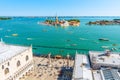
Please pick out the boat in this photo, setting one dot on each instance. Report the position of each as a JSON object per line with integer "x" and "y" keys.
{"x": 14, "y": 34}
{"x": 114, "y": 49}
{"x": 7, "y": 36}
{"x": 104, "y": 39}
{"x": 83, "y": 39}
{"x": 114, "y": 44}
{"x": 73, "y": 44}
{"x": 58, "y": 56}
{"x": 34, "y": 48}
{"x": 105, "y": 47}
{"x": 44, "y": 30}
{"x": 68, "y": 40}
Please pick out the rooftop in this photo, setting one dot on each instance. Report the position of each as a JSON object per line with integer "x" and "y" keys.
{"x": 82, "y": 68}
{"x": 97, "y": 75}
{"x": 110, "y": 74}
{"x": 102, "y": 57}
{"x": 8, "y": 51}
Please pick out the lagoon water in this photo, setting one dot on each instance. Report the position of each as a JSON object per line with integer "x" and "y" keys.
{"x": 60, "y": 40}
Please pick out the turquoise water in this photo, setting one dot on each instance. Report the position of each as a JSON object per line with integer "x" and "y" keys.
{"x": 59, "y": 40}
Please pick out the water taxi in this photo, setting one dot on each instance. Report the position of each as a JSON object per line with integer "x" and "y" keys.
{"x": 104, "y": 39}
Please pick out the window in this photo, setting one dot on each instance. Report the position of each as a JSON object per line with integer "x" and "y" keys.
{"x": 8, "y": 63}
{"x": 18, "y": 63}
{"x": 2, "y": 66}
{"x": 6, "y": 71}
{"x": 27, "y": 58}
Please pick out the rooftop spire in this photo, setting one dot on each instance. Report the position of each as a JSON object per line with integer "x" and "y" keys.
{"x": 56, "y": 13}
{"x": 57, "y": 21}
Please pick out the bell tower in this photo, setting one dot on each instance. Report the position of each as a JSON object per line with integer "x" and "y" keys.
{"x": 57, "y": 21}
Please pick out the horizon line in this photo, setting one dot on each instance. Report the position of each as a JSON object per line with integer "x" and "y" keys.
{"x": 60, "y": 16}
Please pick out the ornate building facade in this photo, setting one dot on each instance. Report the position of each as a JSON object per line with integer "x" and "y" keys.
{"x": 15, "y": 61}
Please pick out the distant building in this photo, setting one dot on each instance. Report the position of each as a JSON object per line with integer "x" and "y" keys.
{"x": 104, "y": 59}
{"x": 82, "y": 70}
{"x": 15, "y": 61}
{"x": 57, "y": 21}
{"x": 117, "y": 20}
{"x": 74, "y": 23}
{"x": 64, "y": 23}
{"x": 110, "y": 74}
{"x": 106, "y": 74}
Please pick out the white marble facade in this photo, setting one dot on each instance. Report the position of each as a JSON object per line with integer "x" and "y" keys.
{"x": 15, "y": 61}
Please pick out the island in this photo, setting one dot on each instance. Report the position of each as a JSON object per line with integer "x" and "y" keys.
{"x": 105, "y": 22}
{"x": 64, "y": 23}
{"x": 5, "y": 18}
{"x": 74, "y": 22}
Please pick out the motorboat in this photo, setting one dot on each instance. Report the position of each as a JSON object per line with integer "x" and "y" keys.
{"x": 104, "y": 39}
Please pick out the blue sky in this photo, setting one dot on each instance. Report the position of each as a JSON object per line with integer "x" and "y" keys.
{"x": 61, "y": 7}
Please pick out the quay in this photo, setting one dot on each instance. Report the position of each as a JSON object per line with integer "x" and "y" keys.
{"x": 50, "y": 68}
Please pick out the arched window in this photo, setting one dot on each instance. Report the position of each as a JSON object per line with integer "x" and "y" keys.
{"x": 27, "y": 58}
{"x": 2, "y": 66}
{"x": 18, "y": 63}
{"x": 6, "y": 71}
{"x": 8, "y": 63}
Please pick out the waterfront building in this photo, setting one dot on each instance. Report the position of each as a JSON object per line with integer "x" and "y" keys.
{"x": 64, "y": 23}
{"x": 82, "y": 70}
{"x": 105, "y": 59}
{"x": 117, "y": 20}
{"x": 15, "y": 61}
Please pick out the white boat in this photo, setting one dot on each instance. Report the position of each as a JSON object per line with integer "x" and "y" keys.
{"x": 73, "y": 44}
{"x": 15, "y": 34}
{"x": 105, "y": 47}
{"x": 29, "y": 38}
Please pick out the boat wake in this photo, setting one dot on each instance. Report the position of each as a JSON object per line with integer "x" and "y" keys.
{"x": 7, "y": 36}
{"x": 83, "y": 39}
{"x": 41, "y": 23}
{"x": 8, "y": 30}
{"x": 73, "y": 44}
{"x": 1, "y": 28}
{"x": 105, "y": 47}
{"x": 29, "y": 39}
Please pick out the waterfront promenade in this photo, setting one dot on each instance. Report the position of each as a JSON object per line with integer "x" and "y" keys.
{"x": 50, "y": 69}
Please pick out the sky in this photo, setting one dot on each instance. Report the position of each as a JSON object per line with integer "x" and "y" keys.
{"x": 60, "y": 7}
